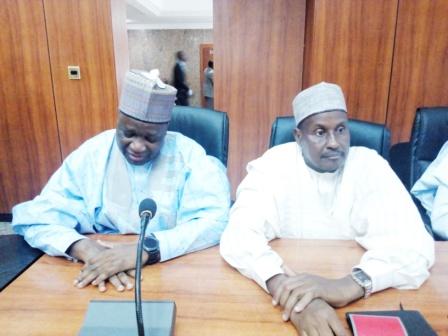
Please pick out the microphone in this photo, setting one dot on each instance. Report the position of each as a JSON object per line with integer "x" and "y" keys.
{"x": 147, "y": 210}
{"x": 103, "y": 315}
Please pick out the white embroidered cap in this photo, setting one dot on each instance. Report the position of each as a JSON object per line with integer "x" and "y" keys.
{"x": 318, "y": 98}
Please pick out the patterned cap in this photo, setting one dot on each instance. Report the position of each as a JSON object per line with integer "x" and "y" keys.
{"x": 322, "y": 97}
{"x": 146, "y": 98}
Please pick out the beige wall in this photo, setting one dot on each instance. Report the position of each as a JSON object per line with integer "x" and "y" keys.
{"x": 149, "y": 49}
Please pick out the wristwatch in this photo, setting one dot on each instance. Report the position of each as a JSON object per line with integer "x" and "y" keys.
{"x": 362, "y": 279}
{"x": 151, "y": 246}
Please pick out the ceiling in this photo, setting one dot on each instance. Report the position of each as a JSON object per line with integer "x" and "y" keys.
{"x": 169, "y": 14}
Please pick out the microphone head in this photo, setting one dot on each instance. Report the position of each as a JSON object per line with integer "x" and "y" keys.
{"x": 147, "y": 206}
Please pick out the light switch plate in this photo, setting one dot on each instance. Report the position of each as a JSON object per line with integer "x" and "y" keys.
{"x": 74, "y": 72}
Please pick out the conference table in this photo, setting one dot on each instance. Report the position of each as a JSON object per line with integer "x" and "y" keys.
{"x": 211, "y": 297}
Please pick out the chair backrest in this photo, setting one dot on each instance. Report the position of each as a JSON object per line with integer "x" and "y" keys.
{"x": 429, "y": 133}
{"x": 362, "y": 133}
{"x": 209, "y": 128}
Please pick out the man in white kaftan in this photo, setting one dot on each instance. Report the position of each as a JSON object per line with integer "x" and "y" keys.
{"x": 432, "y": 191}
{"x": 100, "y": 185}
{"x": 319, "y": 188}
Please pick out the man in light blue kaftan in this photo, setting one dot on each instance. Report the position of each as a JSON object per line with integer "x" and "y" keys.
{"x": 432, "y": 191}
{"x": 99, "y": 187}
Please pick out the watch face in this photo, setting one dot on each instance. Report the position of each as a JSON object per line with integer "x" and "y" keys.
{"x": 363, "y": 277}
{"x": 151, "y": 243}
{"x": 151, "y": 246}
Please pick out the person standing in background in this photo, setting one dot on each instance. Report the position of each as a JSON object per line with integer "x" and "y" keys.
{"x": 207, "y": 85}
{"x": 180, "y": 81}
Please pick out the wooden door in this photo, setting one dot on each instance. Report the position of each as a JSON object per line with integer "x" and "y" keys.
{"x": 43, "y": 114}
{"x": 80, "y": 32}
{"x": 258, "y": 56}
{"x": 351, "y": 43}
{"x": 420, "y": 67}
{"x": 29, "y": 143}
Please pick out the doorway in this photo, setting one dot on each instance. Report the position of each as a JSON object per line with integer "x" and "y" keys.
{"x": 205, "y": 55}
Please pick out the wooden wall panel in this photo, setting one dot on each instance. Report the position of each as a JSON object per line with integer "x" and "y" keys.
{"x": 80, "y": 33}
{"x": 258, "y": 57}
{"x": 420, "y": 67}
{"x": 29, "y": 146}
{"x": 351, "y": 43}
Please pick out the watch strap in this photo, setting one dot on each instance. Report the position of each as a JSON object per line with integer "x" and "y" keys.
{"x": 363, "y": 280}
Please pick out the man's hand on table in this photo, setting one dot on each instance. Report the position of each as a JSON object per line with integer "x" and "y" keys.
{"x": 296, "y": 292}
{"x": 103, "y": 262}
{"x": 318, "y": 319}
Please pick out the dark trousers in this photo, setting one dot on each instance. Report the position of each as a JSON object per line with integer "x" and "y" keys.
{"x": 182, "y": 98}
{"x": 209, "y": 102}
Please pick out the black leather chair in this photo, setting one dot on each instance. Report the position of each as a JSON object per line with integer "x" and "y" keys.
{"x": 15, "y": 257}
{"x": 209, "y": 128}
{"x": 410, "y": 159}
{"x": 429, "y": 132}
{"x": 362, "y": 133}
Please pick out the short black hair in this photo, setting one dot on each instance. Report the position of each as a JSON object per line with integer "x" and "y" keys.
{"x": 179, "y": 54}
{"x": 210, "y": 64}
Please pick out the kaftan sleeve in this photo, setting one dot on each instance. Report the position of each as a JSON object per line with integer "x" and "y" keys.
{"x": 432, "y": 191}
{"x": 253, "y": 223}
{"x": 58, "y": 217}
{"x": 203, "y": 208}
{"x": 439, "y": 214}
{"x": 399, "y": 249}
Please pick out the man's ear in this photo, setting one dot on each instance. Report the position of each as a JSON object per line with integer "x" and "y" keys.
{"x": 297, "y": 134}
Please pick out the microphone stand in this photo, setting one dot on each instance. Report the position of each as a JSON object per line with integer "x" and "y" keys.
{"x": 97, "y": 321}
{"x": 146, "y": 216}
